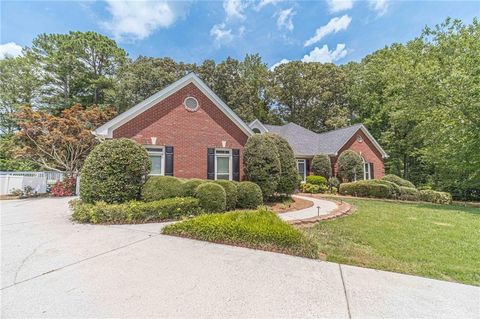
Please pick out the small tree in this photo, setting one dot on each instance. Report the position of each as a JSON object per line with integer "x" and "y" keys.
{"x": 59, "y": 143}
{"x": 114, "y": 172}
{"x": 288, "y": 180}
{"x": 350, "y": 166}
{"x": 261, "y": 164}
{"x": 322, "y": 166}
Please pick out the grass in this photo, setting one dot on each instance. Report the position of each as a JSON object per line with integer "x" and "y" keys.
{"x": 436, "y": 241}
{"x": 261, "y": 229}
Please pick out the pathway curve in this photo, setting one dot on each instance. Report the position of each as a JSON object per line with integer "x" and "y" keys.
{"x": 320, "y": 207}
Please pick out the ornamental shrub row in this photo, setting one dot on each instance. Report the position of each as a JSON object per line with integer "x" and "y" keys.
{"x": 135, "y": 211}
{"x": 435, "y": 197}
{"x": 398, "y": 180}
{"x": 214, "y": 196}
{"x": 368, "y": 188}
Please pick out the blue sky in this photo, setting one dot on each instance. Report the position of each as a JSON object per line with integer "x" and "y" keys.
{"x": 325, "y": 31}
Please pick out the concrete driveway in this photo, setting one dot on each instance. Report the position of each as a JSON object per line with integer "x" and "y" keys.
{"x": 52, "y": 267}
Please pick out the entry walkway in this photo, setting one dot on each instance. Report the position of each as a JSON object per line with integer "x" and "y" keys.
{"x": 320, "y": 207}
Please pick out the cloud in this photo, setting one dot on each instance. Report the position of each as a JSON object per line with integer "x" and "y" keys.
{"x": 333, "y": 26}
{"x": 234, "y": 9}
{"x": 284, "y": 19}
{"x": 324, "y": 55}
{"x": 138, "y": 19}
{"x": 283, "y": 61}
{"x": 221, "y": 33}
{"x": 10, "y": 49}
{"x": 381, "y": 6}
{"x": 264, "y": 3}
{"x": 339, "y": 5}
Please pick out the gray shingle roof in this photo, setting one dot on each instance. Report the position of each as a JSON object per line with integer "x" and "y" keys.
{"x": 308, "y": 143}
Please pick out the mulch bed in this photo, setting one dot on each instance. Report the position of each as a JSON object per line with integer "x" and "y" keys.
{"x": 296, "y": 204}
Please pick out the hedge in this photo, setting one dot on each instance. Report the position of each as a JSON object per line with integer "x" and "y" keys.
{"x": 114, "y": 171}
{"x": 135, "y": 211}
{"x": 249, "y": 195}
{"x": 189, "y": 186}
{"x": 312, "y": 188}
{"x": 398, "y": 180}
{"x": 408, "y": 193}
{"x": 365, "y": 189}
{"x": 161, "y": 187}
{"x": 260, "y": 229}
{"x": 435, "y": 197}
{"x": 394, "y": 189}
{"x": 321, "y": 165}
{"x": 212, "y": 197}
{"x": 231, "y": 193}
{"x": 317, "y": 180}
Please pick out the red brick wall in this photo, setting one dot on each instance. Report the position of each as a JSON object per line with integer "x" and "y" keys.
{"x": 190, "y": 133}
{"x": 367, "y": 150}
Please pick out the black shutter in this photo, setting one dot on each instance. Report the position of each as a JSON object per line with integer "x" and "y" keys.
{"x": 211, "y": 163}
{"x": 236, "y": 164}
{"x": 168, "y": 160}
{"x": 371, "y": 171}
{"x": 307, "y": 167}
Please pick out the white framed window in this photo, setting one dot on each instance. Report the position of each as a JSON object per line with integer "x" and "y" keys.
{"x": 191, "y": 103}
{"x": 367, "y": 174}
{"x": 223, "y": 163}
{"x": 157, "y": 159}
{"x": 302, "y": 169}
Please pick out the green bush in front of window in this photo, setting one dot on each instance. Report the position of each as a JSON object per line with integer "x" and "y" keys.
{"x": 231, "y": 193}
{"x": 135, "y": 211}
{"x": 249, "y": 195}
{"x": 350, "y": 166}
{"x": 321, "y": 165}
{"x": 161, "y": 187}
{"x": 212, "y": 197}
{"x": 113, "y": 172}
{"x": 189, "y": 186}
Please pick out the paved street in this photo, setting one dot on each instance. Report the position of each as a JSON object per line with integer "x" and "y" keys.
{"x": 52, "y": 267}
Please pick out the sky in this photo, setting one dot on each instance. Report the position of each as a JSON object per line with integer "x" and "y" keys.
{"x": 192, "y": 31}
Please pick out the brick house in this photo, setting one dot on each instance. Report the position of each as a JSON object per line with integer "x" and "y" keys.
{"x": 189, "y": 132}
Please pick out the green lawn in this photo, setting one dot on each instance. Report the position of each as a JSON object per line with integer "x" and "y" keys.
{"x": 435, "y": 241}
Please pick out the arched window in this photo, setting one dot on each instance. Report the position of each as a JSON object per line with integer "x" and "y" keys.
{"x": 256, "y": 130}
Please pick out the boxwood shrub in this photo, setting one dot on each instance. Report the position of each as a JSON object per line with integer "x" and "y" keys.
{"x": 398, "y": 180}
{"x": 190, "y": 186}
{"x": 135, "y": 211}
{"x": 231, "y": 193}
{"x": 161, "y": 187}
{"x": 317, "y": 180}
{"x": 321, "y": 165}
{"x": 249, "y": 195}
{"x": 435, "y": 197}
{"x": 394, "y": 189}
{"x": 408, "y": 193}
{"x": 365, "y": 189}
{"x": 212, "y": 197}
{"x": 114, "y": 171}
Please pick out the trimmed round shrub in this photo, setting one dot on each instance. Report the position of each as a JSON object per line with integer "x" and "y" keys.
{"x": 114, "y": 172}
{"x": 231, "y": 192}
{"x": 398, "y": 180}
{"x": 212, "y": 197}
{"x": 288, "y": 180}
{"x": 249, "y": 195}
{"x": 190, "y": 186}
{"x": 261, "y": 164}
{"x": 317, "y": 180}
{"x": 333, "y": 182}
{"x": 368, "y": 188}
{"x": 321, "y": 165}
{"x": 350, "y": 166}
{"x": 435, "y": 197}
{"x": 393, "y": 188}
{"x": 408, "y": 193}
{"x": 312, "y": 188}
{"x": 161, "y": 187}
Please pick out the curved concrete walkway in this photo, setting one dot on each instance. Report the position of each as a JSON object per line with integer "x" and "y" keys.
{"x": 320, "y": 207}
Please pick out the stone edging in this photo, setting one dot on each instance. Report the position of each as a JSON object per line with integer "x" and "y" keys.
{"x": 343, "y": 209}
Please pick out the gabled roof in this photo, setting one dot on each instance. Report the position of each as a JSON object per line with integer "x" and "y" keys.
{"x": 307, "y": 143}
{"x": 106, "y": 130}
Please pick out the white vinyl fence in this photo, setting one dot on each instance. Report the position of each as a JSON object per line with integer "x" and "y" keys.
{"x": 10, "y": 181}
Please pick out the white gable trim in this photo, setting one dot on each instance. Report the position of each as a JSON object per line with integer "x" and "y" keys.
{"x": 371, "y": 138}
{"x": 106, "y": 130}
{"x": 258, "y": 125}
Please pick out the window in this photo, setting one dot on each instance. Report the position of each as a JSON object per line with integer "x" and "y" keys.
{"x": 223, "y": 164}
{"x": 191, "y": 103}
{"x": 302, "y": 168}
{"x": 256, "y": 131}
{"x": 367, "y": 170}
{"x": 157, "y": 159}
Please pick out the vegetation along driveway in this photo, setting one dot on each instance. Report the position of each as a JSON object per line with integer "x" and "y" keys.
{"x": 52, "y": 267}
